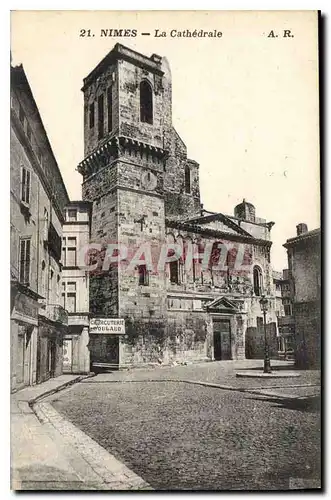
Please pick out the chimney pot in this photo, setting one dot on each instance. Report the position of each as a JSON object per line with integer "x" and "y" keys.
{"x": 302, "y": 228}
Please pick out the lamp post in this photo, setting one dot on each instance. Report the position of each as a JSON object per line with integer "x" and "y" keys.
{"x": 264, "y": 308}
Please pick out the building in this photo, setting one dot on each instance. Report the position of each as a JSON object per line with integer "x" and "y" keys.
{"x": 38, "y": 198}
{"x": 304, "y": 268}
{"x": 285, "y": 318}
{"x": 145, "y": 197}
{"x": 75, "y": 288}
{"x": 278, "y": 282}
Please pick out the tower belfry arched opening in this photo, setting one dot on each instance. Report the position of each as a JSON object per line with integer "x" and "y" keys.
{"x": 146, "y": 102}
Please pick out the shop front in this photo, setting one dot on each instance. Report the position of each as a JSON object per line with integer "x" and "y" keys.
{"x": 104, "y": 343}
{"x": 23, "y": 331}
{"x": 76, "y": 353}
{"x": 53, "y": 325}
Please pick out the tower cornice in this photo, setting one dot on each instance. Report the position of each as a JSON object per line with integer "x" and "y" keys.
{"x": 120, "y": 52}
{"x": 114, "y": 147}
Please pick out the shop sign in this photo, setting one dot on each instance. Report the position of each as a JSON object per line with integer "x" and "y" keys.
{"x": 107, "y": 326}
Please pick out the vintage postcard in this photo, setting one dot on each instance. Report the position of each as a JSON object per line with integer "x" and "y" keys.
{"x": 165, "y": 250}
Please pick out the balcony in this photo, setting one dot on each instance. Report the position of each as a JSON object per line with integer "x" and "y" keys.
{"x": 54, "y": 242}
{"x": 78, "y": 319}
{"x": 53, "y": 312}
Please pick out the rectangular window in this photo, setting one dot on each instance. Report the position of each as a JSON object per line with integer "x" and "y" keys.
{"x": 25, "y": 185}
{"x": 259, "y": 322}
{"x": 69, "y": 296}
{"x": 187, "y": 179}
{"x": 71, "y": 302}
{"x": 194, "y": 269}
{"x": 91, "y": 115}
{"x": 110, "y": 109}
{"x": 25, "y": 258}
{"x": 100, "y": 117}
{"x": 173, "y": 269}
{"x": 143, "y": 275}
{"x": 45, "y": 224}
{"x": 72, "y": 215}
{"x": 71, "y": 251}
{"x": 288, "y": 310}
{"x": 63, "y": 259}
{"x": 40, "y": 156}
{"x": 21, "y": 115}
{"x": 29, "y": 133}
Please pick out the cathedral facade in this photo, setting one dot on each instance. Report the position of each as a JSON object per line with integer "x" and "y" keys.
{"x": 187, "y": 281}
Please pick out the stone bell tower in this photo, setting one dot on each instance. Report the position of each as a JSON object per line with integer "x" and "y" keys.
{"x": 127, "y": 130}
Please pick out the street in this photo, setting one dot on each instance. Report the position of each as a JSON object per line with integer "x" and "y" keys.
{"x": 177, "y": 435}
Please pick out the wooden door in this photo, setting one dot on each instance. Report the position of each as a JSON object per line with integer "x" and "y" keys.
{"x": 222, "y": 339}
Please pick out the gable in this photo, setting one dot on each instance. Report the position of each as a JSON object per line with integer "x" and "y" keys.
{"x": 219, "y": 222}
{"x": 222, "y": 304}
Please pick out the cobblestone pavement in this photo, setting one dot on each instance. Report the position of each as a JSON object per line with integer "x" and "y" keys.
{"x": 184, "y": 436}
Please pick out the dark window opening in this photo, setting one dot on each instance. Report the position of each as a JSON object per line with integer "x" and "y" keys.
{"x": 143, "y": 275}
{"x": 25, "y": 185}
{"x": 72, "y": 215}
{"x": 25, "y": 246}
{"x": 257, "y": 281}
{"x": 174, "y": 271}
{"x": 187, "y": 179}
{"x": 110, "y": 109}
{"x": 29, "y": 133}
{"x": 21, "y": 114}
{"x": 259, "y": 322}
{"x": 100, "y": 118}
{"x": 91, "y": 115}
{"x": 146, "y": 102}
{"x": 194, "y": 269}
{"x": 288, "y": 309}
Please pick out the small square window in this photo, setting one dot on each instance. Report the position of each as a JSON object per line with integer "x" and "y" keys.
{"x": 72, "y": 215}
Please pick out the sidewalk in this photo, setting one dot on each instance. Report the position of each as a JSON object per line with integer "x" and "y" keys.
{"x": 49, "y": 453}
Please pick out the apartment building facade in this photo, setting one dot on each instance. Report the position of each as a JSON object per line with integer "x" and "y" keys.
{"x": 38, "y": 199}
{"x": 75, "y": 287}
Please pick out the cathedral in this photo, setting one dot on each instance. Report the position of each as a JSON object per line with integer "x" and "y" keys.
{"x": 204, "y": 302}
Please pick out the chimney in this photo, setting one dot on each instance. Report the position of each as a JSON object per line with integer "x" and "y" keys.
{"x": 156, "y": 58}
{"x": 302, "y": 228}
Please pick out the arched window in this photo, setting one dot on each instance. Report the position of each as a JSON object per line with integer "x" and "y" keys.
{"x": 257, "y": 280}
{"x": 146, "y": 102}
{"x": 187, "y": 179}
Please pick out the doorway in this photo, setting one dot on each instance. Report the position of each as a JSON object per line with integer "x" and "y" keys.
{"x": 222, "y": 339}
{"x": 104, "y": 351}
{"x": 67, "y": 355}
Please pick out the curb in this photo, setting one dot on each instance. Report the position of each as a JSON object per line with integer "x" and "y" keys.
{"x": 113, "y": 474}
{"x": 247, "y": 374}
{"x": 208, "y": 384}
{"x": 78, "y": 379}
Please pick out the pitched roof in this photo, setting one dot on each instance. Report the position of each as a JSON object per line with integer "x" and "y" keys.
{"x": 313, "y": 234}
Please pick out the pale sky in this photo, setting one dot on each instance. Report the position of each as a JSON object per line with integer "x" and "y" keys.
{"x": 245, "y": 104}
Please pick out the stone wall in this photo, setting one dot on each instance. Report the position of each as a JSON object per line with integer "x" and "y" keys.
{"x": 306, "y": 271}
{"x": 107, "y": 80}
{"x": 255, "y": 345}
{"x": 307, "y": 316}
